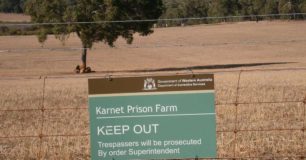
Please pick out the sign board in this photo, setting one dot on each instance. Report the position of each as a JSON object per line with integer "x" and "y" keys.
{"x": 155, "y": 117}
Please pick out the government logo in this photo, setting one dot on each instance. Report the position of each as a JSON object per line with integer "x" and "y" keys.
{"x": 149, "y": 84}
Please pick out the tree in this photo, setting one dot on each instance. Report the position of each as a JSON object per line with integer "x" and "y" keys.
{"x": 302, "y": 7}
{"x": 259, "y": 7}
{"x": 173, "y": 9}
{"x": 197, "y": 8}
{"x": 246, "y": 7}
{"x": 11, "y": 6}
{"x": 288, "y": 6}
{"x": 271, "y": 7}
{"x": 92, "y": 11}
{"x": 217, "y": 9}
{"x": 223, "y": 8}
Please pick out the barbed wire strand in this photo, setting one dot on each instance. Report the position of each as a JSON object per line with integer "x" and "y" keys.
{"x": 26, "y": 50}
{"x": 217, "y": 104}
{"x": 135, "y": 73}
{"x": 152, "y": 20}
{"x": 88, "y": 134}
{"x": 45, "y": 109}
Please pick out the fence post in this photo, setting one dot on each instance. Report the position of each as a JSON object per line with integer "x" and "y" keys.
{"x": 303, "y": 130}
{"x": 236, "y": 112}
{"x": 40, "y": 156}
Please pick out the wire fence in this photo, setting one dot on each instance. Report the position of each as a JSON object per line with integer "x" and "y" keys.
{"x": 148, "y": 46}
{"x": 259, "y": 114}
{"x": 48, "y": 125}
{"x": 294, "y": 15}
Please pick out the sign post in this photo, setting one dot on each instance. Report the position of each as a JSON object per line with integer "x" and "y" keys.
{"x": 156, "y": 117}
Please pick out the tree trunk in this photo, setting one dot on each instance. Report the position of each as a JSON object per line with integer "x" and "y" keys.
{"x": 84, "y": 59}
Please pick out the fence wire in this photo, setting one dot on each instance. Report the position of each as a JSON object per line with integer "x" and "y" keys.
{"x": 236, "y": 130}
{"x": 135, "y": 46}
{"x": 294, "y": 15}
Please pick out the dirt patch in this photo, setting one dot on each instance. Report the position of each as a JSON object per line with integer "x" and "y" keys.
{"x": 12, "y": 17}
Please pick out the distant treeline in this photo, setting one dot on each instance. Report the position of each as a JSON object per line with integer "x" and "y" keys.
{"x": 190, "y": 8}
{"x": 12, "y": 6}
{"x": 223, "y": 8}
{"x": 201, "y": 8}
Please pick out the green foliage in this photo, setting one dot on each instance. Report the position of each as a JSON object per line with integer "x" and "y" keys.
{"x": 173, "y": 9}
{"x": 259, "y": 7}
{"x": 302, "y": 6}
{"x": 196, "y": 8}
{"x": 11, "y": 6}
{"x": 224, "y": 8}
{"x": 285, "y": 6}
{"x": 108, "y": 10}
{"x": 6, "y": 31}
{"x": 94, "y": 11}
{"x": 271, "y": 7}
{"x": 289, "y": 6}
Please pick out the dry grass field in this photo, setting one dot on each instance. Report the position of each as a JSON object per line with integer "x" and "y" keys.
{"x": 12, "y": 17}
{"x": 205, "y": 46}
{"x": 269, "y": 119}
